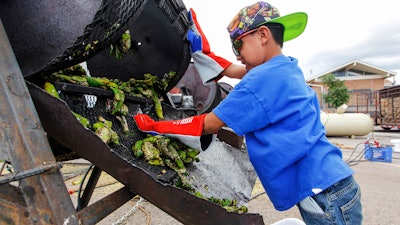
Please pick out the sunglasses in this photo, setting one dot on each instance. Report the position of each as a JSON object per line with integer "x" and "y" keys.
{"x": 238, "y": 43}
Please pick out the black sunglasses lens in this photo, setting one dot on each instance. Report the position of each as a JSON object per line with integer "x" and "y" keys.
{"x": 236, "y": 46}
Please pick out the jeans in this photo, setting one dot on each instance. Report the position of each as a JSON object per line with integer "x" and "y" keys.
{"x": 339, "y": 204}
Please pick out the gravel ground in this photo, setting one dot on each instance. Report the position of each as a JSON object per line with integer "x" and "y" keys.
{"x": 379, "y": 183}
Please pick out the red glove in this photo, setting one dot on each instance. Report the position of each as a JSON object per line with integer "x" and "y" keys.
{"x": 188, "y": 130}
{"x": 208, "y": 65}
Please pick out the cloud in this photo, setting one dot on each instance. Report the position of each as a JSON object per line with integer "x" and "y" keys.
{"x": 381, "y": 48}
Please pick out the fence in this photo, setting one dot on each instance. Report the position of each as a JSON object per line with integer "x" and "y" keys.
{"x": 362, "y": 102}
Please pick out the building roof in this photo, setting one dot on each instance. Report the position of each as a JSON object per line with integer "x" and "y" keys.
{"x": 363, "y": 68}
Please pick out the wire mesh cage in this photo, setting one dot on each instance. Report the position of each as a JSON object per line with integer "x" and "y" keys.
{"x": 48, "y": 35}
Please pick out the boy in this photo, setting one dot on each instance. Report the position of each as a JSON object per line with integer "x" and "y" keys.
{"x": 279, "y": 115}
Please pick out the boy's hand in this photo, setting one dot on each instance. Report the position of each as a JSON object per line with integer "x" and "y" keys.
{"x": 208, "y": 65}
{"x": 188, "y": 130}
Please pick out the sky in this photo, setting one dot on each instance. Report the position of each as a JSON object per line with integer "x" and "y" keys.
{"x": 337, "y": 31}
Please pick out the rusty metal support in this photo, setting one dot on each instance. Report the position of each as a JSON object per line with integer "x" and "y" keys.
{"x": 25, "y": 143}
{"x": 105, "y": 206}
{"x": 90, "y": 186}
{"x": 32, "y": 172}
{"x": 12, "y": 205}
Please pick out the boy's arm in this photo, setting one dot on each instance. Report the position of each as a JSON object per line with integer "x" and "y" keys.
{"x": 235, "y": 71}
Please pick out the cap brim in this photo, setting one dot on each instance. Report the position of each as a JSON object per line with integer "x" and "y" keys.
{"x": 294, "y": 24}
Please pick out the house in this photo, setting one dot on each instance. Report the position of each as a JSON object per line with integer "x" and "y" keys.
{"x": 363, "y": 80}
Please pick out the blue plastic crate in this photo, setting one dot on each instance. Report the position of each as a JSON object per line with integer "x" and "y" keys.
{"x": 379, "y": 154}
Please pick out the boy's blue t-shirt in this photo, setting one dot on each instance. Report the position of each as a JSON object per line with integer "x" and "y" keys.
{"x": 279, "y": 115}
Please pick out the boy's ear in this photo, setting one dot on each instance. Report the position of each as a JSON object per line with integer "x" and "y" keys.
{"x": 264, "y": 32}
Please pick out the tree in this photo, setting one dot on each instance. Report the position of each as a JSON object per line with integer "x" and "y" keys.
{"x": 338, "y": 93}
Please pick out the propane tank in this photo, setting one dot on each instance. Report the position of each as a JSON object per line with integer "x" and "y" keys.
{"x": 347, "y": 124}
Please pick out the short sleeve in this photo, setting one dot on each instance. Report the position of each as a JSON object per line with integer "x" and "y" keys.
{"x": 242, "y": 111}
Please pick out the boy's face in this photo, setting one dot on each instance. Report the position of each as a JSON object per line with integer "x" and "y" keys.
{"x": 251, "y": 52}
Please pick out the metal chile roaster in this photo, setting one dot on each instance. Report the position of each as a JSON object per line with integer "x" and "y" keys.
{"x": 39, "y": 132}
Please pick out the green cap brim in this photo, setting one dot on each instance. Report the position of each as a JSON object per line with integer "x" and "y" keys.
{"x": 294, "y": 24}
